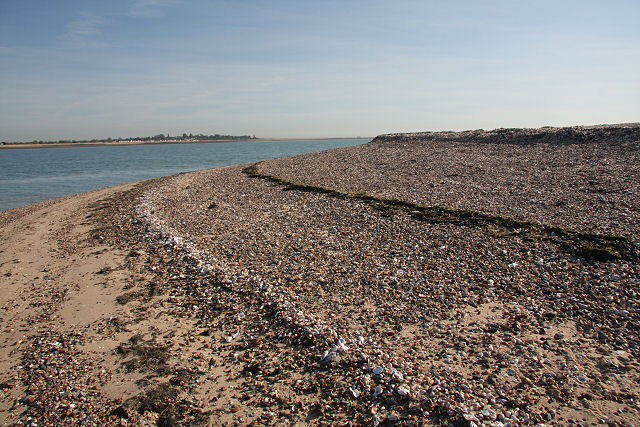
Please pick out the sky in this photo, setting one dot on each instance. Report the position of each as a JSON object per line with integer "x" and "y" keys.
{"x": 278, "y": 68}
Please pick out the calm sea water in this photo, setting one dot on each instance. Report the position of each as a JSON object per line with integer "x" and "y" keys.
{"x": 33, "y": 175}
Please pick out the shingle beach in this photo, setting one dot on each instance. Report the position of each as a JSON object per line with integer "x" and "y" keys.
{"x": 449, "y": 278}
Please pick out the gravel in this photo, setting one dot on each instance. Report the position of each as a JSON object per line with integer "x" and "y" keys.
{"x": 585, "y": 178}
{"x": 336, "y": 295}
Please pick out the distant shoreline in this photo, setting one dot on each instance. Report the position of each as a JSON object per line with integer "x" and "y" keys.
{"x": 30, "y": 145}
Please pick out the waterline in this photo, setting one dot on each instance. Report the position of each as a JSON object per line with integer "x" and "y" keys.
{"x": 34, "y": 175}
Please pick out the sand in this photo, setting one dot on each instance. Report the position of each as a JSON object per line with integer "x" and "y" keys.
{"x": 382, "y": 284}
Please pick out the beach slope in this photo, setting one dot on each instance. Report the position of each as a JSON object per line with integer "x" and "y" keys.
{"x": 471, "y": 277}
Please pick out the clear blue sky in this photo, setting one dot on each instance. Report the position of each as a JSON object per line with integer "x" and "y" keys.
{"x": 276, "y": 68}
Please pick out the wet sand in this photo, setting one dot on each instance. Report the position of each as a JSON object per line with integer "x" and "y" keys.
{"x": 479, "y": 277}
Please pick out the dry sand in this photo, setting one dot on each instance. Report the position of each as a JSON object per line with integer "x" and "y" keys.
{"x": 468, "y": 278}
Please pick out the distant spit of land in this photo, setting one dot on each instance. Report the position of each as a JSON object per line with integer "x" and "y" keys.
{"x": 437, "y": 278}
{"x": 157, "y": 139}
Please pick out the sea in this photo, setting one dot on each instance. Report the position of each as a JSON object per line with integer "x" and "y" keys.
{"x": 30, "y": 175}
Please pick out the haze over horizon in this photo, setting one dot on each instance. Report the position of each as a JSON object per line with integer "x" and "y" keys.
{"x": 83, "y": 70}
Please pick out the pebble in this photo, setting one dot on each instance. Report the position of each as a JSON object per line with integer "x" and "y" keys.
{"x": 403, "y": 391}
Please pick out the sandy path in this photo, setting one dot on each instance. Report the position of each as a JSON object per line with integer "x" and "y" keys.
{"x": 52, "y": 296}
{"x": 92, "y": 331}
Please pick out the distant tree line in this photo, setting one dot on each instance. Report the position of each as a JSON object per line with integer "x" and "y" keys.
{"x": 216, "y": 137}
{"x": 156, "y": 138}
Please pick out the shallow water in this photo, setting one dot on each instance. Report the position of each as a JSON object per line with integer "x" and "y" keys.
{"x": 33, "y": 175}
